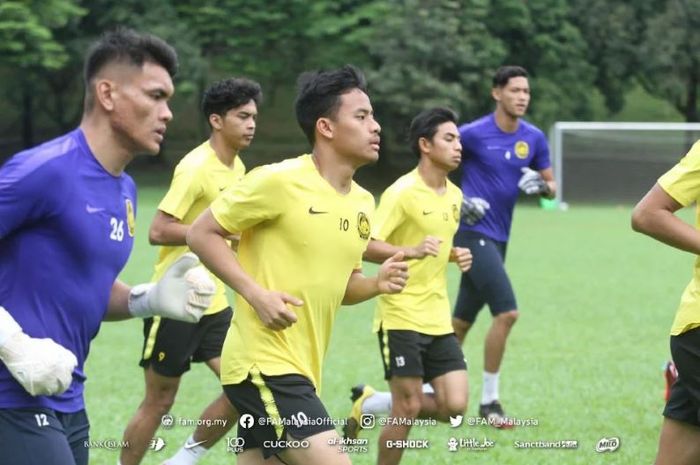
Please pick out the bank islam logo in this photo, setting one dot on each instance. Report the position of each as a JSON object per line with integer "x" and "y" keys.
{"x": 608, "y": 444}
{"x": 456, "y": 421}
{"x": 156, "y": 444}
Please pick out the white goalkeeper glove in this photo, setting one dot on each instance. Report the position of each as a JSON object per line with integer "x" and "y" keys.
{"x": 474, "y": 209}
{"x": 41, "y": 366}
{"x": 183, "y": 293}
{"x": 531, "y": 182}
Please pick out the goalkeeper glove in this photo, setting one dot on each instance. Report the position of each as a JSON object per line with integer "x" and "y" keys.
{"x": 183, "y": 293}
{"x": 531, "y": 182}
{"x": 474, "y": 209}
{"x": 41, "y": 366}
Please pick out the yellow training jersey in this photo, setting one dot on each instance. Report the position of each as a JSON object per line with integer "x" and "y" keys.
{"x": 682, "y": 182}
{"x": 299, "y": 236}
{"x": 408, "y": 211}
{"x": 198, "y": 179}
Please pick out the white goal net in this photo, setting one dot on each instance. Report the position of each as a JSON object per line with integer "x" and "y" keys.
{"x": 614, "y": 162}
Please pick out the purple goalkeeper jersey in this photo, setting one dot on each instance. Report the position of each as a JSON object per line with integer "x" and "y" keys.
{"x": 492, "y": 162}
{"x": 66, "y": 231}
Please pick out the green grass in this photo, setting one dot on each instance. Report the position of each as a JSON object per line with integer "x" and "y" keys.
{"x": 585, "y": 358}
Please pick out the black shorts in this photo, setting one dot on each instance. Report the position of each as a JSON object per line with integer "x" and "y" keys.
{"x": 410, "y": 353}
{"x": 283, "y": 407}
{"x": 684, "y": 402}
{"x": 486, "y": 282}
{"x": 41, "y": 435}
{"x": 170, "y": 345}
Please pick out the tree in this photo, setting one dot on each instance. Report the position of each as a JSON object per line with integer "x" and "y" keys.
{"x": 28, "y": 48}
{"x": 670, "y": 62}
{"x": 429, "y": 53}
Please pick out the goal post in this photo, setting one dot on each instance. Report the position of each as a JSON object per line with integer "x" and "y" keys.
{"x": 614, "y": 161}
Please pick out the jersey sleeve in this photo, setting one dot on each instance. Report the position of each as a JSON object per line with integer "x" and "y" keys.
{"x": 256, "y": 198}
{"x": 24, "y": 198}
{"x": 541, "y": 161}
{"x": 184, "y": 191}
{"x": 389, "y": 214}
{"x": 682, "y": 182}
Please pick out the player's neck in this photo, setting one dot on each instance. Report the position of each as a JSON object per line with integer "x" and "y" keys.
{"x": 506, "y": 122}
{"x": 109, "y": 150}
{"x": 226, "y": 154}
{"x": 433, "y": 177}
{"x": 337, "y": 171}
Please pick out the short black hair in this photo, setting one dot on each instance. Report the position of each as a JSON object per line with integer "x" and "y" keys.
{"x": 426, "y": 123}
{"x": 319, "y": 95}
{"x": 505, "y": 73}
{"x": 230, "y": 93}
{"x": 127, "y": 46}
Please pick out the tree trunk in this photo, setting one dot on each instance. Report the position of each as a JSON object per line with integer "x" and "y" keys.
{"x": 27, "y": 115}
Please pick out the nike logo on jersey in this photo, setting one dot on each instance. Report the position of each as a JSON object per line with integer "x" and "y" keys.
{"x": 427, "y": 212}
{"x": 90, "y": 209}
{"x": 315, "y": 212}
{"x": 194, "y": 444}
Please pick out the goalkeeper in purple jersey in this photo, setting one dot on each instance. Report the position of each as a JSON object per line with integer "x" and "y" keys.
{"x": 67, "y": 223}
{"x": 502, "y": 155}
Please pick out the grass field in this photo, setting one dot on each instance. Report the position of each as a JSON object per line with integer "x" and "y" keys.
{"x": 584, "y": 360}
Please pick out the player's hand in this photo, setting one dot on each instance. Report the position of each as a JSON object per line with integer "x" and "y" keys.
{"x": 393, "y": 274}
{"x": 183, "y": 293}
{"x": 532, "y": 182}
{"x": 272, "y": 309}
{"x": 463, "y": 257}
{"x": 474, "y": 209}
{"x": 429, "y": 246}
{"x": 41, "y": 366}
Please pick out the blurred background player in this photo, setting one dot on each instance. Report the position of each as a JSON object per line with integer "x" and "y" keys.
{"x": 502, "y": 154}
{"x": 61, "y": 251}
{"x": 230, "y": 107}
{"x": 304, "y": 224}
{"x": 654, "y": 215}
{"x": 418, "y": 216}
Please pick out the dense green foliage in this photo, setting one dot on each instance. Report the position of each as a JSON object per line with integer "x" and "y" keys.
{"x": 415, "y": 53}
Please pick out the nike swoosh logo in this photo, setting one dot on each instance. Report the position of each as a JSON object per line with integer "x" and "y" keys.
{"x": 193, "y": 444}
{"x": 315, "y": 212}
{"x": 221, "y": 188}
{"x": 426, "y": 212}
{"x": 90, "y": 209}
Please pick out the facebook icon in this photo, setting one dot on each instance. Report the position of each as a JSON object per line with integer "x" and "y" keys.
{"x": 246, "y": 421}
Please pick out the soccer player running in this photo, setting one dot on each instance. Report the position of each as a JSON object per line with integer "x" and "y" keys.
{"x": 418, "y": 216}
{"x": 304, "y": 224}
{"x": 68, "y": 218}
{"x": 231, "y": 108}
{"x": 654, "y": 215}
{"x": 501, "y": 154}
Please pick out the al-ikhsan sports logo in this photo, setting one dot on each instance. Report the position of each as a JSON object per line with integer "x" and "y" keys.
{"x": 363, "y": 225}
{"x": 130, "y": 219}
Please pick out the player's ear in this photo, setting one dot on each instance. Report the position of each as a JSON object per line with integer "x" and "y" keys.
{"x": 215, "y": 121}
{"x": 324, "y": 127}
{"x": 496, "y": 94}
{"x": 104, "y": 93}
{"x": 424, "y": 145}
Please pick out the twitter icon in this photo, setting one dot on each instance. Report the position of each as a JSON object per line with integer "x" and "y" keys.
{"x": 456, "y": 421}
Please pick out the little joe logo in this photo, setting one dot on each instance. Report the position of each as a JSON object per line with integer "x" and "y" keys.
{"x": 610, "y": 444}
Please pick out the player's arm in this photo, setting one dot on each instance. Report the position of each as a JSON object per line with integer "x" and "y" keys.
{"x": 548, "y": 177}
{"x": 207, "y": 238}
{"x": 391, "y": 279}
{"x": 378, "y": 250}
{"x": 183, "y": 293}
{"x": 166, "y": 229}
{"x": 654, "y": 216}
